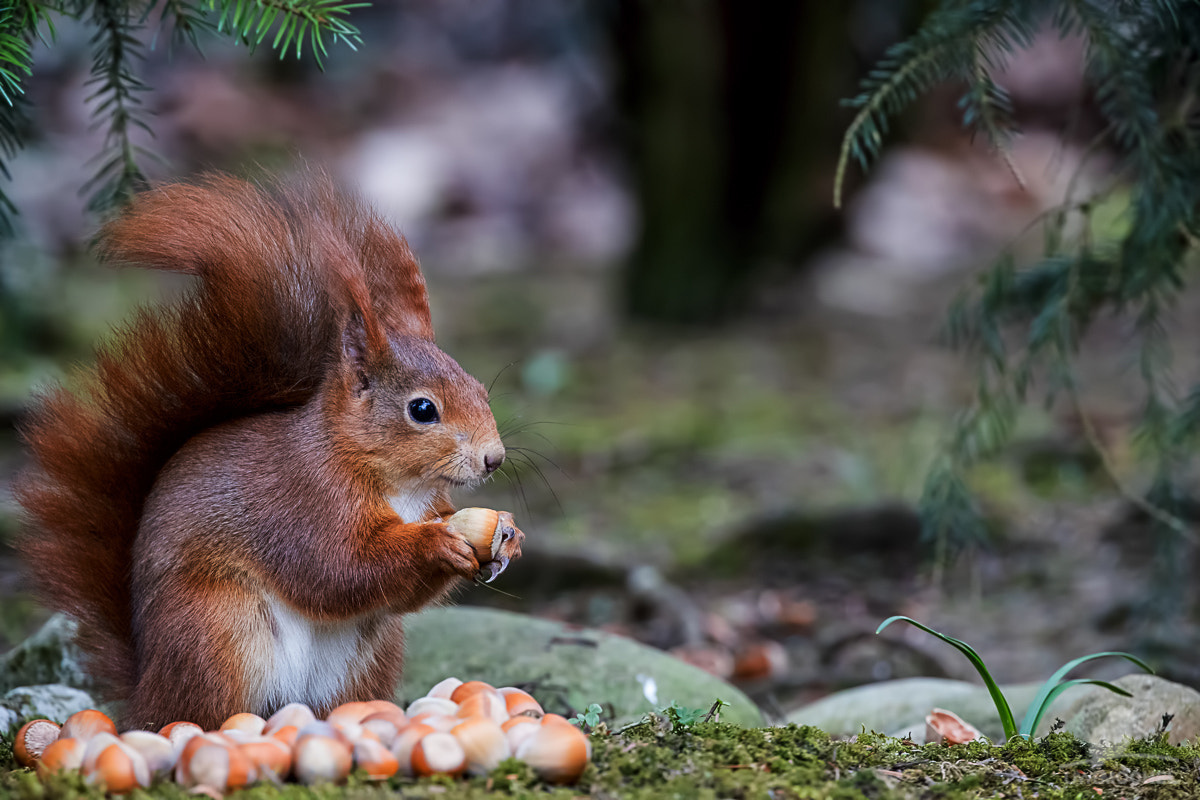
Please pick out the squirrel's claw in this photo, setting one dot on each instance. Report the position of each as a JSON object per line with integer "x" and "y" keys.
{"x": 492, "y": 569}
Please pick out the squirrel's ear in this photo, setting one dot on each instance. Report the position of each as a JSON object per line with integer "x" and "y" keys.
{"x": 354, "y": 352}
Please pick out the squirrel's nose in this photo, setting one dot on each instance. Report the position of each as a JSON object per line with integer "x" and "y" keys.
{"x": 492, "y": 461}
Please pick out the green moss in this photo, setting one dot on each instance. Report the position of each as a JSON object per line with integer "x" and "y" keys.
{"x": 1041, "y": 757}
{"x": 7, "y": 760}
{"x": 712, "y": 760}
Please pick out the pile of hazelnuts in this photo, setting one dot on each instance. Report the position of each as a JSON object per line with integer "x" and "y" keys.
{"x": 457, "y": 728}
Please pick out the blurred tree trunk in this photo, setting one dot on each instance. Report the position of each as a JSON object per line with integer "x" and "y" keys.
{"x": 733, "y": 121}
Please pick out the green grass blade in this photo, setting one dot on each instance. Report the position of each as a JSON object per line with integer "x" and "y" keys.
{"x": 1035, "y": 708}
{"x": 1002, "y": 708}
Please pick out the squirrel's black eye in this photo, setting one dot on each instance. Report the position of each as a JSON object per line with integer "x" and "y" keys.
{"x": 423, "y": 410}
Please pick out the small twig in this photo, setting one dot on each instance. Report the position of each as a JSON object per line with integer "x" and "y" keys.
{"x": 714, "y": 712}
{"x": 1158, "y": 514}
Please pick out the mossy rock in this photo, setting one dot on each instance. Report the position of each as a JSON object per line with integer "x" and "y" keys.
{"x": 568, "y": 667}
{"x": 48, "y": 656}
{"x": 1092, "y": 714}
{"x": 1099, "y": 716}
{"x": 50, "y": 701}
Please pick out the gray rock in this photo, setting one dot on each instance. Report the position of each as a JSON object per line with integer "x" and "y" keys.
{"x": 899, "y": 707}
{"x": 51, "y": 701}
{"x": 48, "y": 656}
{"x": 1100, "y": 716}
{"x": 571, "y": 667}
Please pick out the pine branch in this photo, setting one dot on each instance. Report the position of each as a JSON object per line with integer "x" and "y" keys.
{"x": 986, "y": 106}
{"x": 891, "y": 87}
{"x": 1117, "y": 52}
{"x": 1025, "y": 326}
{"x": 16, "y": 56}
{"x": 14, "y": 122}
{"x": 948, "y": 46}
{"x": 115, "y": 51}
{"x": 188, "y": 21}
{"x": 115, "y": 85}
{"x": 20, "y": 22}
{"x": 294, "y": 22}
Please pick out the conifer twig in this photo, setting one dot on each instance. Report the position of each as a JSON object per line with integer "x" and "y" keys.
{"x": 1160, "y": 515}
{"x": 871, "y": 107}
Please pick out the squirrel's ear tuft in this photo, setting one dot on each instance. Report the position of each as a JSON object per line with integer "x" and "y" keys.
{"x": 355, "y": 350}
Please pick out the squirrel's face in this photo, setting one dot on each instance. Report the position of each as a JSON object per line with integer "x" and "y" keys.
{"x": 418, "y": 419}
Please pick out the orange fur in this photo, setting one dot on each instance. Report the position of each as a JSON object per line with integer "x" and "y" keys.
{"x": 227, "y": 468}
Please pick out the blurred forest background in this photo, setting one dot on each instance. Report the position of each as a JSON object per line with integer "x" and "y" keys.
{"x": 721, "y": 394}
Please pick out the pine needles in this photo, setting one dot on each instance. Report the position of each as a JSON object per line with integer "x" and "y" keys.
{"x": 19, "y": 22}
{"x": 1024, "y": 326}
{"x": 117, "y": 51}
{"x": 115, "y": 96}
{"x": 294, "y": 21}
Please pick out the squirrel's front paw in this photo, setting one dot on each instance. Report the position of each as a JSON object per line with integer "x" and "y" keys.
{"x": 456, "y": 553}
{"x": 492, "y": 534}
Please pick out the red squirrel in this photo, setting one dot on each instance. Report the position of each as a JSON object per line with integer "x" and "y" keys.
{"x": 241, "y": 498}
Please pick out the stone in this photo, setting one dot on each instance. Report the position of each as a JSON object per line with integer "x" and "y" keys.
{"x": 1102, "y": 717}
{"x": 569, "y": 667}
{"x": 899, "y": 707}
{"x": 48, "y": 656}
{"x": 53, "y": 701}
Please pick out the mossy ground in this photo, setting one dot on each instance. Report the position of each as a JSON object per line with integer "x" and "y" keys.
{"x": 713, "y": 760}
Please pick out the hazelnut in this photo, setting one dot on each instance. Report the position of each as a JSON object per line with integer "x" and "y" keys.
{"x": 444, "y": 688}
{"x": 287, "y": 734}
{"x": 480, "y": 527}
{"x": 95, "y": 746}
{"x": 322, "y": 728}
{"x": 484, "y": 704}
{"x": 439, "y": 722}
{"x": 405, "y": 741}
{"x": 158, "y": 751}
{"x": 32, "y": 739}
{"x": 348, "y": 713}
{"x": 64, "y": 754}
{"x": 85, "y": 724}
{"x": 557, "y": 751}
{"x": 438, "y": 754}
{"x": 483, "y": 742}
{"x": 518, "y": 729}
{"x": 434, "y": 705}
{"x": 218, "y": 765}
{"x": 183, "y": 775}
{"x": 295, "y": 714}
{"x": 271, "y": 757}
{"x": 520, "y": 703}
{"x": 119, "y": 769}
{"x": 384, "y": 707}
{"x": 321, "y": 759}
{"x": 245, "y": 722}
{"x": 465, "y": 690}
{"x": 178, "y": 733}
{"x": 375, "y": 759}
{"x": 385, "y": 725}
{"x": 493, "y": 536}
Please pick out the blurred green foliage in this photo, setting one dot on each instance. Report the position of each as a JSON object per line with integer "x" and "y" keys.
{"x": 1123, "y": 251}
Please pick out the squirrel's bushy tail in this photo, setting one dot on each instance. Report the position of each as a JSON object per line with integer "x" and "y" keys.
{"x": 280, "y": 271}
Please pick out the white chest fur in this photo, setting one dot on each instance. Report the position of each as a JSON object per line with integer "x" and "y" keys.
{"x": 310, "y": 660}
{"x": 411, "y": 506}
